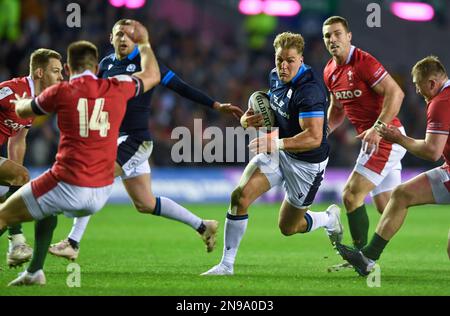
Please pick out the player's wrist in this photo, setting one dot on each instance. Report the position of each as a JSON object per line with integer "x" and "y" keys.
{"x": 379, "y": 123}
{"x": 145, "y": 44}
{"x": 243, "y": 121}
{"x": 280, "y": 144}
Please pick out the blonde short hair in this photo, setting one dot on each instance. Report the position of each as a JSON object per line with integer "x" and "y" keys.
{"x": 428, "y": 66}
{"x": 289, "y": 40}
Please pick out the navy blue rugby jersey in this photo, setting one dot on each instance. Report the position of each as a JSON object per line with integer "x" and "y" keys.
{"x": 303, "y": 97}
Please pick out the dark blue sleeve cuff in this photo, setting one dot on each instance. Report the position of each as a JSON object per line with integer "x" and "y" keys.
{"x": 35, "y": 108}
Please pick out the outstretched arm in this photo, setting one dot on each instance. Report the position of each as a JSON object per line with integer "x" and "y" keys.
{"x": 175, "y": 83}
{"x": 430, "y": 148}
{"x": 24, "y": 106}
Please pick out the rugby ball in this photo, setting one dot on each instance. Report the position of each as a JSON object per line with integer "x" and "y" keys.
{"x": 259, "y": 101}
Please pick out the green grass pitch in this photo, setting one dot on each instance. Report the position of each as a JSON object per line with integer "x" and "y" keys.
{"x": 127, "y": 253}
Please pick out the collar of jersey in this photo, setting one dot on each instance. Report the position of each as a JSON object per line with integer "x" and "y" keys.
{"x": 131, "y": 55}
{"x": 446, "y": 84}
{"x": 84, "y": 73}
{"x": 31, "y": 85}
{"x": 349, "y": 57}
{"x": 300, "y": 72}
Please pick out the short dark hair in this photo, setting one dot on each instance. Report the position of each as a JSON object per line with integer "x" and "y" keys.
{"x": 428, "y": 66}
{"x": 337, "y": 19}
{"x": 121, "y": 22}
{"x": 82, "y": 55}
{"x": 41, "y": 57}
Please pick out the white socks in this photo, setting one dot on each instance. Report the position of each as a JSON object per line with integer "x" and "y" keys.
{"x": 16, "y": 240}
{"x": 164, "y": 207}
{"x": 235, "y": 226}
{"x": 319, "y": 219}
{"x": 169, "y": 209}
{"x": 79, "y": 227}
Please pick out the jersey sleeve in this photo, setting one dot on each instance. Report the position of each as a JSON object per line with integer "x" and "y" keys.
{"x": 166, "y": 73}
{"x": 438, "y": 118}
{"x": 175, "y": 83}
{"x": 130, "y": 86}
{"x": 311, "y": 103}
{"x": 6, "y": 94}
{"x": 370, "y": 70}
{"x": 47, "y": 101}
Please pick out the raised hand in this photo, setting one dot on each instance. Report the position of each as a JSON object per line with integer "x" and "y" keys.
{"x": 136, "y": 32}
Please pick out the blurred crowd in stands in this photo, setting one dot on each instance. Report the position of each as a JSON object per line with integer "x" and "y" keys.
{"x": 221, "y": 63}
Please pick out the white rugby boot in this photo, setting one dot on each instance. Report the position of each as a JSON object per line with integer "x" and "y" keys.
{"x": 27, "y": 278}
{"x": 219, "y": 269}
{"x": 335, "y": 231}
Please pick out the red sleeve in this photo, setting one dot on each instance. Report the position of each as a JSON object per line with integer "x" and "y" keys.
{"x": 129, "y": 86}
{"x": 370, "y": 70}
{"x": 6, "y": 94}
{"x": 438, "y": 117}
{"x": 47, "y": 101}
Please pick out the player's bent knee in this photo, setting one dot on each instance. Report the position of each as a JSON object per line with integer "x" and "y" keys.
{"x": 238, "y": 199}
{"x": 287, "y": 230}
{"x": 145, "y": 207}
{"x": 21, "y": 177}
{"x": 351, "y": 199}
{"x": 24, "y": 177}
{"x": 348, "y": 198}
{"x": 402, "y": 195}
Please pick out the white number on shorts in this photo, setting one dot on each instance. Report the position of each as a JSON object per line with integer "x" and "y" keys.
{"x": 99, "y": 120}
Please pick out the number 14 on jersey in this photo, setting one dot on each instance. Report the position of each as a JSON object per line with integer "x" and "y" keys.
{"x": 99, "y": 120}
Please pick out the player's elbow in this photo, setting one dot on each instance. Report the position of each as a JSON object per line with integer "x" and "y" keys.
{"x": 433, "y": 154}
{"x": 398, "y": 92}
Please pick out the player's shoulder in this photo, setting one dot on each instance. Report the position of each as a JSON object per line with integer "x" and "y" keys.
{"x": 361, "y": 57}
{"x": 106, "y": 62}
{"x": 310, "y": 86}
{"x": 15, "y": 83}
{"x": 441, "y": 101}
{"x": 107, "y": 59}
{"x": 10, "y": 87}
